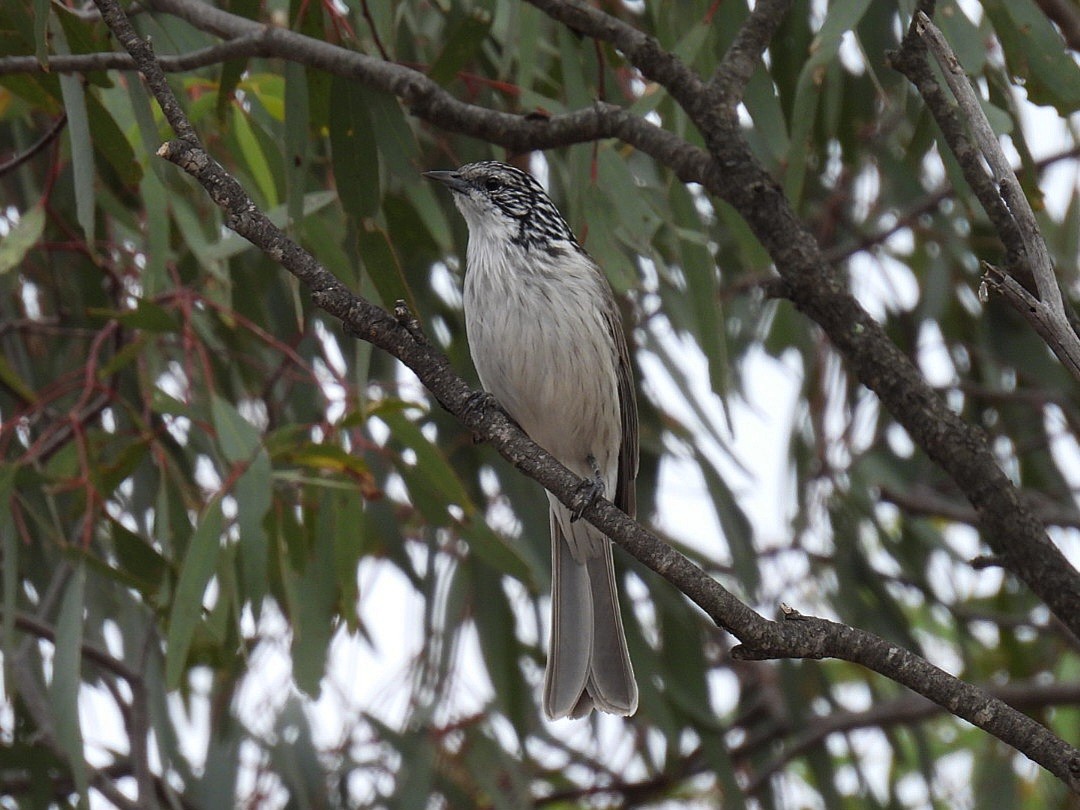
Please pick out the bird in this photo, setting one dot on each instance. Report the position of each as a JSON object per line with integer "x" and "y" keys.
{"x": 546, "y": 338}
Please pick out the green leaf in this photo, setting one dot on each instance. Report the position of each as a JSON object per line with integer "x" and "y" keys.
{"x": 150, "y": 317}
{"x": 82, "y": 145}
{"x": 1035, "y": 53}
{"x": 232, "y": 70}
{"x": 963, "y": 36}
{"x": 23, "y": 236}
{"x": 295, "y": 759}
{"x": 354, "y": 153}
{"x": 9, "y": 571}
{"x": 495, "y": 625}
{"x": 67, "y": 678}
{"x": 434, "y": 486}
{"x": 431, "y": 466}
{"x": 41, "y": 25}
{"x": 254, "y": 158}
{"x": 138, "y": 559}
{"x": 111, "y": 143}
{"x": 313, "y": 620}
{"x": 187, "y": 607}
{"x": 297, "y": 142}
{"x": 253, "y": 491}
{"x": 702, "y": 280}
{"x": 236, "y": 436}
{"x": 464, "y": 39}
{"x": 383, "y": 266}
{"x": 11, "y": 378}
{"x": 155, "y": 277}
{"x": 397, "y": 143}
{"x": 232, "y": 245}
{"x": 841, "y": 17}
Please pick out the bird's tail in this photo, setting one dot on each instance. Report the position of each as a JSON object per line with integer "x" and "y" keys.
{"x": 588, "y": 663}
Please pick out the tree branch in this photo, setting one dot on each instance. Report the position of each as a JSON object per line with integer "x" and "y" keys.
{"x": 1007, "y": 525}
{"x": 729, "y": 81}
{"x": 924, "y": 501}
{"x": 40, "y": 629}
{"x": 907, "y": 710}
{"x": 48, "y": 137}
{"x": 242, "y": 47}
{"x": 761, "y": 639}
{"x": 430, "y": 102}
{"x": 641, "y": 50}
{"x": 992, "y": 179}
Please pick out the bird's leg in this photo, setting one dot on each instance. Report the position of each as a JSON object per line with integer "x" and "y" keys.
{"x": 588, "y": 490}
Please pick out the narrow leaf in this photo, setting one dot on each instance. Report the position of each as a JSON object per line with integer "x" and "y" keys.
{"x": 382, "y": 265}
{"x": 355, "y": 158}
{"x": 253, "y": 498}
{"x": 21, "y": 238}
{"x": 82, "y": 147}
{"x": 254, "y": 158}
{"x": 9, "y": 546}
{"x": 464, "y": 39}
{"x": 237, "y": 438}
{"x": 187, "y": 607}
{"x": 41, "y": 24}
{"x": 67, "y": 678}
{"x": 1035, "y": 52}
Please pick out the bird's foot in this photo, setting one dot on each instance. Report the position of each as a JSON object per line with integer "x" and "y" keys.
{"x": 477, "y": 404}
{"x": 587, "y": 491}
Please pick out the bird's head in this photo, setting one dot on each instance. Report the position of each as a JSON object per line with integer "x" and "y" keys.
{"x": 501, "y": 202}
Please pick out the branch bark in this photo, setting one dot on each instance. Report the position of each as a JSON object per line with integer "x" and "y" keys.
{"x": 399, "y": 334}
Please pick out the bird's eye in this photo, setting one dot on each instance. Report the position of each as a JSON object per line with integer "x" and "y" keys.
{"x": 493, "y": 184}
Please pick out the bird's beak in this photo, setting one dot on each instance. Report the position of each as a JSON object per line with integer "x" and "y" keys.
{"x": 452, "y": 180}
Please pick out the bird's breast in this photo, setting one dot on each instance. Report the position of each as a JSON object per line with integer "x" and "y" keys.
{"x": 541, "y": 344}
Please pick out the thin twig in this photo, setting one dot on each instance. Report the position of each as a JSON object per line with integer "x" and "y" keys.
{"x": 252, "y": 44}
{"x": 48, "y": 137}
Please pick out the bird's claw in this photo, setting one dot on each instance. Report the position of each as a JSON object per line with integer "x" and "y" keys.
{"x": 587, "y": 491}
{"x": 476, "y": 408}
{"x": 477, "y": 404}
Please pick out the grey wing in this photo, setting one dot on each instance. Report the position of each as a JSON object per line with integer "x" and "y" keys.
{"x": 625, "y": 492}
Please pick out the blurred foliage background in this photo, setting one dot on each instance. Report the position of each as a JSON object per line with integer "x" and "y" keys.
{"x": 245, "y": 558}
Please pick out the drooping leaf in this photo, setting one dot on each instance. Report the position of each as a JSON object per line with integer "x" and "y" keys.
{"x": 67, "y": 678}
{"x": 187, "y": 608}
{"x": 22, "y": 237}
{"x": 354, "y": 151}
